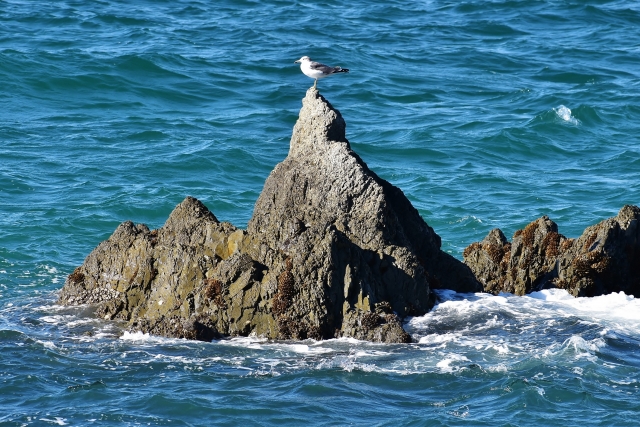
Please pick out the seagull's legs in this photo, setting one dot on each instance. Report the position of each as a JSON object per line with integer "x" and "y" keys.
{"x": 315, "y": 84}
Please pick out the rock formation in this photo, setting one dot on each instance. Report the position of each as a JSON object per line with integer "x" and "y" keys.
{"x": 605, "y": 259}
{"x": 331, "y": 250}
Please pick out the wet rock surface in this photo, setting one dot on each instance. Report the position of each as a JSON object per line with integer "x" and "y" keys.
{"x": 604, "y": 259}
{"x": 332, "y": 250}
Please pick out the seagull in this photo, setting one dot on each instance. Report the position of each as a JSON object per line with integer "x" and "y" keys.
{"x": 316, "y": 70}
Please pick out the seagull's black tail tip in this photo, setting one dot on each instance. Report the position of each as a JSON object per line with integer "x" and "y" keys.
{"x": 343, "y": 70}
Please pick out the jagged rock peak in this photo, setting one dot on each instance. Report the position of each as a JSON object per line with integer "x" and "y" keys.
{"x": 323, "y": 182}
{"x": 323, "y": 185}
{"x": 190, "y": 210}
{"x": 318, "y": 125}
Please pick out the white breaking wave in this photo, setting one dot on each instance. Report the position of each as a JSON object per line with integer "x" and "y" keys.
{"x": 611, "y": 311}
{"x": 564, "y": 113}
{"x": 617, "y": 310}
{"x": 498, "y": 332}
{"x": 463, "y": 332}
{"x": 445, "y": 365}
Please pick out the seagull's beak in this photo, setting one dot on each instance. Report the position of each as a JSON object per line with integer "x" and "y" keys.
{"x": 296, "y": 61}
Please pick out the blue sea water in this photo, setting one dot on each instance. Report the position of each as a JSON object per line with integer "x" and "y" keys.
{"x": 485, "y": 113}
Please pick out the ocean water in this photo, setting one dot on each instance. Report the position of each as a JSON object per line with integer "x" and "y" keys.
{"x": 485, "y": 113}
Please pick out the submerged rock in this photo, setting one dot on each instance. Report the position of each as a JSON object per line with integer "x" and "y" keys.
{"x": 605, "y": 259}
{"x": 331, "y": 250}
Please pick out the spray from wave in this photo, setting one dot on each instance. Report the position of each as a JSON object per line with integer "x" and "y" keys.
{"x": 564, "y": 114}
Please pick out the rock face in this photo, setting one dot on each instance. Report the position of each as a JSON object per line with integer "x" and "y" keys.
{"x": 605, "y": 259}
{"x": 331, "y": 250}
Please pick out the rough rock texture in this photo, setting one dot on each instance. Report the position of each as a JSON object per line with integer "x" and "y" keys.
{"x": 605, "y": 259}
{"x": 331, "y": 250}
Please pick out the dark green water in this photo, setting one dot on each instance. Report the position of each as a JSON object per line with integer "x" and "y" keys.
{"x": 486, "y": 114}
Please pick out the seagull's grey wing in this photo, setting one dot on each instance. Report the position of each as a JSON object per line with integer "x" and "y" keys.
{"x": 325, "y": 69}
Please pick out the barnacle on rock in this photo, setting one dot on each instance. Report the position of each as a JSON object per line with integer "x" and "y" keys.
{"x": 551, "y": 244}
{"x": 289, "y": 328}
{"x": 384, "y": 307}
{"x": 599, "y": 261}
{"x": 213, "y": 288}
{"x": 77, "y": 276}
{"x": 506, "y": 257}
{"x": 566, "y": 244}
{"x": 561, "y": 283}
{"x": 213, "y": 292}
{"x": 495, "y": 252}
{"x": 286, "y": 285}
{"x": 590, "y": 240}
{"x": 591, "y": 262}
{"x": 471, "y": 249}
{"x": 286, "y": 291}
{"x": 528, "y": 234}
{"x": 391, "y": 317}
{"x": 369, "y": 320}
{"x": 279, "y": 306}
{"x": 580, "y": 266}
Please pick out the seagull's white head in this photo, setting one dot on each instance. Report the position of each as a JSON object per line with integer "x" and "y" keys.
{"x": 303, "y": 59}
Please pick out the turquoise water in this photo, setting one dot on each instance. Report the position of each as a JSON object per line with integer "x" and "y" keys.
{"x": 486, "y": 114}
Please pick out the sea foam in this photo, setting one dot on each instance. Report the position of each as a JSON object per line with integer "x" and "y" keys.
{"x": 564, "y": 114}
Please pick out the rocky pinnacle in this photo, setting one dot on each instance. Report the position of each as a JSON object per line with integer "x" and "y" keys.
{"x": 331, "y": 250}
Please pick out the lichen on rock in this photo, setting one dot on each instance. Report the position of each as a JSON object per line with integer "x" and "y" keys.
{"x": 331, "y": 250}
